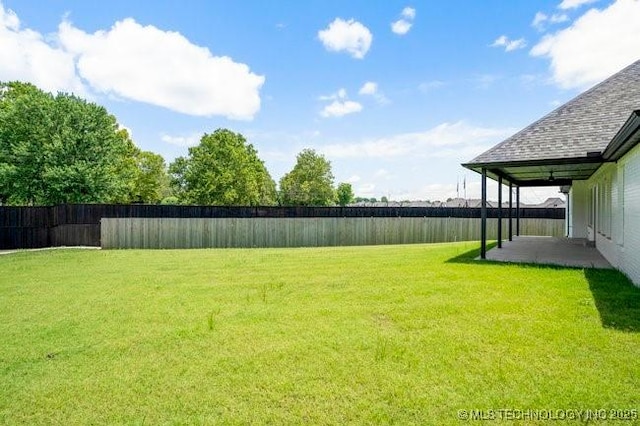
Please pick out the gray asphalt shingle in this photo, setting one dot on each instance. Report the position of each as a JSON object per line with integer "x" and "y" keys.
{"x": 585, "y": 124}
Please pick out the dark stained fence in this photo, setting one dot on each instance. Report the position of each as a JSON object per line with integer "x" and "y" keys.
{"x": 24, "y": 227}
{"x": 79, "y": 224}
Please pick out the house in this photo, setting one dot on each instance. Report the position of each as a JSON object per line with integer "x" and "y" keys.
{"x": 551, "y": 203}
{"x": 591, "y": 147}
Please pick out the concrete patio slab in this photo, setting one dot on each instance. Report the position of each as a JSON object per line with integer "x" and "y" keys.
{"x": 549, "y": 251}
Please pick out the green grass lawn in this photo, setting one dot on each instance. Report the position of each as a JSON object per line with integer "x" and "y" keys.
{"x": 387, "y": 334}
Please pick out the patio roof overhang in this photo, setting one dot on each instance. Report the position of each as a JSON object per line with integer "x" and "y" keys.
{"x": 546, "y": 172}
{"x": 563, "y": 171}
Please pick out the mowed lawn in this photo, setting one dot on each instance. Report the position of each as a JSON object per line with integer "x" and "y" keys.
{"x": 387, "y": 334}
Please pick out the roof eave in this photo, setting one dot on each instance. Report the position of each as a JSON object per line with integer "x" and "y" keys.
{"x": 496, "y": 170}
{"x": 589, "y": 159}
{"x": 627, "y": 137}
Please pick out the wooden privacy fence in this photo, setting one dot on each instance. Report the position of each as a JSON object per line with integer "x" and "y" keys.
{"x": 175, "y": 233}
{"x": 80, "y": 224}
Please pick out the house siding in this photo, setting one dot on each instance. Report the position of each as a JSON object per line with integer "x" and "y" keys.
{"x": 629, "y": 166}
{"x": 605, "y": 229}
{"x": 578, "y": 209}
{"x": 614, "y": 192}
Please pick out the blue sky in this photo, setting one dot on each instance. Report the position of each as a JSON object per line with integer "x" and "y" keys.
{"x": 395, "y": 93}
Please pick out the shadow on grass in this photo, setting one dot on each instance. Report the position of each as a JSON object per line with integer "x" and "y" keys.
{"x": 471, "y": 255}
{"x": 617, "y": 299}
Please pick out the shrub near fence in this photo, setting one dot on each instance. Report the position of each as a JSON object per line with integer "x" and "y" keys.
{"x": 80, "y": 224}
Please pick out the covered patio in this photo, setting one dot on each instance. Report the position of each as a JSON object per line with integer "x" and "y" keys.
{"x": 574, "y": 252}
{"x": 515, "y": 174}
{"x": 581, "y": 146}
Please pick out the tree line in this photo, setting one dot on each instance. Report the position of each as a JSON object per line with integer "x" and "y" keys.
{"x": 57, "y": 149}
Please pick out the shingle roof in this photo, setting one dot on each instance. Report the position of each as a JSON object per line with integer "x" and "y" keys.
{"x": 585, "y": 124}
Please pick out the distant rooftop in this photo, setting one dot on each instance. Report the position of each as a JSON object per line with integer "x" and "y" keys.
{"x": 460, "y": 202}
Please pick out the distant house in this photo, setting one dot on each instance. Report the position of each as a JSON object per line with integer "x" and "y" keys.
{"x": 591, "y": 146}
{"x": 554, "y": 202}
{"x": 551, "y": 203}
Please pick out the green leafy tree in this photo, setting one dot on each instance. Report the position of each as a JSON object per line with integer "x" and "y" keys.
{"x": 344, "y": 194}
{"x": 177, "y": 178}
{"x": 151, "y": 180}
{"x": 25, "y": 121}
{"x": 170, "y": 200}
{"x": 222, "y": 170}
{"x": 127, "y": 170}
{"x": 310, "y": 183}
{"x": 59, "y": 149}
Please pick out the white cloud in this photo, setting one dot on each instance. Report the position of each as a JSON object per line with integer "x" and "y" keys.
{"x": 340, "y": 108}
{"x": 340, "y": 94}
{"x": 354, "y": 179}
{"x": 401, "y": 27}
{"x": 368, "y": 88}
{"x": 404, "y": 24}
{"x": 163, "y": 68}
{"x": 558, "y": 18}
{"x": 446, "y": 140}
{"x": 409, "y": 13}
{"x": 596, "y": 45}
{"x": 131, "y": 61}
{"x": 574, "y": 4}
{"x": 182, "y": 140}
{"x": 509, "y": 45}
{"x": 25, "y": 55}
{"x": 541, "y": 19}
{"x": 350, "y": 36}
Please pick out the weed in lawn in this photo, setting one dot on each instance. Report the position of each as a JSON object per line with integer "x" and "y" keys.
{"x": 212, "y": 319}
{"x": 382, "y": 344}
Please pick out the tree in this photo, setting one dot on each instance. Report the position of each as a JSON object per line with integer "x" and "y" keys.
{"x": 310, "y": 183}
{"x": 151, "y": 180}
{"x": 344, "y": 194}
{"x": 127, "y": 170}
{"x": 59, "y": 149}
{"x": 177, "y": 178}
{"x": 384, "y": 200}
{"x": 222, "y": 170}
{"x": 25, "y": 117}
